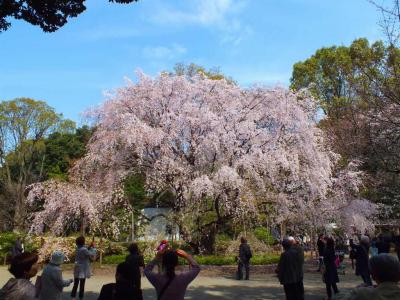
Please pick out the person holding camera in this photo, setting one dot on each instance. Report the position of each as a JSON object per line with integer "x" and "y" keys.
{"x": 82, "y": 269}
{"x": 168, "y": 284}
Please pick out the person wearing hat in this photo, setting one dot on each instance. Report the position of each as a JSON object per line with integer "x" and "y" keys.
{"x": 52, "y": 282}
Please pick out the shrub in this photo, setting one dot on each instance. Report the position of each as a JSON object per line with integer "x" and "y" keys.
{"x": 222, "y": 242}
{"x": 215, "y": 260}
{"x": 7, "y": 240}
{"x": 115, "y": 248}
{"x": 114, "y": 259}
{"x": 264, "y": 235}
{"x": 211, "y": 260}
{"x": 47, "y": 245}
{"x": 265, "y": 259}
{"x": 257, "y": 246}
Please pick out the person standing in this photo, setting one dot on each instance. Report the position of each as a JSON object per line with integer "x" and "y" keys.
{"x": 52, "y": 282}
{"x": 361, "y": 255}
{"x": 396, "y": 242}
{"x": 330, "y": 276}
{"x": 171, "y": 286}
{"x": 374, "y": 249}
{"x": 296, "y": 244}
{"x": 24, "y": 267}
{"x": 385, "y": 270}
{"x": 321, "y": 249}
{"x": 244, "y": 259}
{"x": 82, "y": 269}
{"x": 135, "y": 261}
{"x": 289, "y": 272}
{"x": 124, "y": 287}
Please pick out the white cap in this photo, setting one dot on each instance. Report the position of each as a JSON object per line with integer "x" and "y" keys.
{"x": 57, "y": 258}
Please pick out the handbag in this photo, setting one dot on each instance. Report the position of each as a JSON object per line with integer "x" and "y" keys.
{"x": 323, "y": 272}
{"x": 337, "y": 261}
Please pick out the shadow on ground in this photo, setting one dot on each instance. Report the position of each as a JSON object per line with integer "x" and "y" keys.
{"x": 218, "y": 292}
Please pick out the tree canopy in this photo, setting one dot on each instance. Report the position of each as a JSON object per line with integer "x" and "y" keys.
{"x": 50, "y": 15}
{"x": 359, "y": 91}
{"x": 223, "y": 152}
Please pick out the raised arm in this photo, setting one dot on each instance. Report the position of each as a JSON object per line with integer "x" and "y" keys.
{"x": 195, "y": 268}
{"x": 148, "y": 270}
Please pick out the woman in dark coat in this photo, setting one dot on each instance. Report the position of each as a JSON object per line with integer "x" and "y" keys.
{"x": 330, "y": 276}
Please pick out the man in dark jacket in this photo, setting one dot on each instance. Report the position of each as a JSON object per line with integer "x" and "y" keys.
{"x": 361, "y": 253}
{"x": 383, "y": 244}
{"x": 124, "y": 288}
{"x": 296, "y": 245}
{"x": 136, "y": 261}
{"x": 244, "y": 259}
{"x": 290, "y": 271}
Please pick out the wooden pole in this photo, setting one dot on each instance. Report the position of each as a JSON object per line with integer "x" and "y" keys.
{"x": 132, "y": 227}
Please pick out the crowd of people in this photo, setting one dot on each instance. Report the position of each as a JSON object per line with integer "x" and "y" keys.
{"x": 168, "y": 284}
{"x": 372, "y": 262}
{"x": 371, "y": 265}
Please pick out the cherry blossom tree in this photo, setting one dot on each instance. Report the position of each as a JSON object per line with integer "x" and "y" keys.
{"x": 61, "y": 206}
{"x": 223, "y": 151}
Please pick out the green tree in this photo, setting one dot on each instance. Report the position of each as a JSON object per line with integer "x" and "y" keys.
{"x": 62, "y": 149}
{"x": 192, "y": 69}
{"x": 359, "y": 92}
{"x": 50, "y": 15}
{"x": 24, "y": 123}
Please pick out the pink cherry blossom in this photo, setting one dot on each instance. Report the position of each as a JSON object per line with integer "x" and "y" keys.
{"x": 208, "y": 140}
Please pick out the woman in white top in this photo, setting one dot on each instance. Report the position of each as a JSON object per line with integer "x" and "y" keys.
{"x": 82, "y": 268}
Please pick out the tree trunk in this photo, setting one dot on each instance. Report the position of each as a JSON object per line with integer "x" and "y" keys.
{"x": 20, "y": 207}
{"x": 133, "y": 227}
{"x": 83, "y": 226}
{"x": 207, "y": 242}
{"x": 283, "y": 230}
{"x": 101, "y": 249}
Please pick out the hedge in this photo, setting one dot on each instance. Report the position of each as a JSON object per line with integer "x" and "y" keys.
{"x": 214, "y": 260}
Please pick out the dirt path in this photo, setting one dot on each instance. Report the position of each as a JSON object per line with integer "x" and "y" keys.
{"x": 260, "y": 287}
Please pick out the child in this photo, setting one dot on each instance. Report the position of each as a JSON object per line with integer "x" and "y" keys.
{"x": 52, "y": 283}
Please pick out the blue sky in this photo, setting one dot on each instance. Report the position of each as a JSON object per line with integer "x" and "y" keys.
{"x": 253, "y": 41}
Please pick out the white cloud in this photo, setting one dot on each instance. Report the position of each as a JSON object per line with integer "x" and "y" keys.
{"x": 162, "y": 52}
{"x": 221, "y": 15}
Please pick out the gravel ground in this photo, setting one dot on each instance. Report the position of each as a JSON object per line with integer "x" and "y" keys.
{"x": 213, "y": 287}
